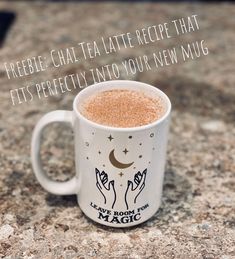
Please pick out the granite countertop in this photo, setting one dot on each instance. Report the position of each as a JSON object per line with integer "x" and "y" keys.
{"x": 196, "y": 218}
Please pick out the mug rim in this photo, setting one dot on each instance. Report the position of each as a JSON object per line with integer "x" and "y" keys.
{"x": 122, "y": 129}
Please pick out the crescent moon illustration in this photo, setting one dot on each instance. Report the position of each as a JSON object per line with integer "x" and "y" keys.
{"x": 116, "y": 163}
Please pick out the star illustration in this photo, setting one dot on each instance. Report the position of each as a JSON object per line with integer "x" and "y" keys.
{"x": 121, "y": 174}
{"x": 110, "y": 137}
{"x": 125, "y": 151}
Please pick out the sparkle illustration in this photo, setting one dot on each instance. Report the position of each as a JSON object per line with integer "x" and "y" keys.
{"x": 125, "y": 151}
{"x": 121, "y": 174}
{"x": 110, "y": 137}
{"x": 117, "y": 163}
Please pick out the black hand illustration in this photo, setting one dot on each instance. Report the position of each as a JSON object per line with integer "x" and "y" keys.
{"x": 133, "y": 192}
{"x": 106, "y": 188}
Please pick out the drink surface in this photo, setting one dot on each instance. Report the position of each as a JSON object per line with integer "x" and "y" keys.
{"x": 122, "y": 108}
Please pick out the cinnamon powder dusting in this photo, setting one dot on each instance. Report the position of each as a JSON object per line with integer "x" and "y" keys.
{"x": 122, "y": 108}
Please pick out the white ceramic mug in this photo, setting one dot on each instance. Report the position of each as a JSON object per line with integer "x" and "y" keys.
{"x": 119, "y": 171}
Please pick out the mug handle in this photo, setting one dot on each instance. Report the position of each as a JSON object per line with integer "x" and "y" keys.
{"x": 55, "y": 187}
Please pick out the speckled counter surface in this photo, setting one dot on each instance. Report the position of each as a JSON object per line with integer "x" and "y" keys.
{"x": 196, "y": 219}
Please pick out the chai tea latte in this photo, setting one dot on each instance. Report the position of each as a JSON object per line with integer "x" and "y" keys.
{"x": 122, "y": 108}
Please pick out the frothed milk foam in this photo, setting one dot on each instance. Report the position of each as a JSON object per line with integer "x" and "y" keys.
{"x": 122, "y": 108}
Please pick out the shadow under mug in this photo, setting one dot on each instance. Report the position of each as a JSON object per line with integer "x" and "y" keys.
{"x": 113, "y": 188}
